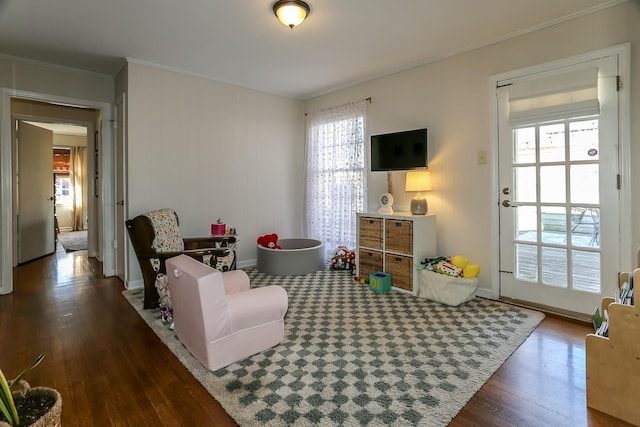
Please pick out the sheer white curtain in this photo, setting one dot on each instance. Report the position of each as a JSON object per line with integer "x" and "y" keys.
{"x": 336, "y": 174}
{"x": 79, "y": 186}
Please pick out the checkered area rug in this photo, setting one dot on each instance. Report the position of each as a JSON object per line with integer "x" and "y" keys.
{"x": 352, "y": 357}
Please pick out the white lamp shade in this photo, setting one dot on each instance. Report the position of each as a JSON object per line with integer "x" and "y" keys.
{"x": 418, "y": 181}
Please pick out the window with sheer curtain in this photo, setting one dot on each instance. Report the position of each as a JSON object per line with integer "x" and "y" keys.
{"x": 336, "y": 174}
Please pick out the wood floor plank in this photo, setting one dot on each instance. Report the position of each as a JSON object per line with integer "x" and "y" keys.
{"x": 112, "y": 370}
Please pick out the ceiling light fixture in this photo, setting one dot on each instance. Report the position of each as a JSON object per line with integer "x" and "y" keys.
{"x": 291, "y": 12}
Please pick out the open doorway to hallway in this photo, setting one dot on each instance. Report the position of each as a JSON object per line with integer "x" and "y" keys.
{"x": 70, "y": 178}
{"x": 46, "y": 107}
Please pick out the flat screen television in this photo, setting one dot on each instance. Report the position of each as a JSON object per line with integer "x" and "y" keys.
{"x": 399, "y": 150}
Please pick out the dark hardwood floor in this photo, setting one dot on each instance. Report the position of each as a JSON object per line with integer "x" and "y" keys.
{"x": 112, "y": 370}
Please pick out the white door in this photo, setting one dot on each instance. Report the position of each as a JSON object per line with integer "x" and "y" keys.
{"x": 121, "y": 168}
{"x": 35, "y": 192}
{"x": 558, "y": 157}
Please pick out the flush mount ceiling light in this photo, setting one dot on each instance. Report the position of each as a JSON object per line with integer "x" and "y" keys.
{"x": 291, "y": 12}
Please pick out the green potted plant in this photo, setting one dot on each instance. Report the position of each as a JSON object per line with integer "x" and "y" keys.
{"x": 21, "y": 405}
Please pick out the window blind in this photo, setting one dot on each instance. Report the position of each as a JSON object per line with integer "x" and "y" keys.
{"x": 562, "y": 95}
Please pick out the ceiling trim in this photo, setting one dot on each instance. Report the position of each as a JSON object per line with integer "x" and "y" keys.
{"x": 54, "y": 66}
{"x": 204, "y": 76}
{"x": 493, "y": 41}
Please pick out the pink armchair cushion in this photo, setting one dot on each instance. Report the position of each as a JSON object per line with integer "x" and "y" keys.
{"x": 235, "y": 281}
{"x": 257, "y": 307}
{"x": 218, "y": 318}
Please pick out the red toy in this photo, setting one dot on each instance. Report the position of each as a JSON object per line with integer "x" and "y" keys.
{"x": 343, "y": 259}
{"x": 269, "y": 241}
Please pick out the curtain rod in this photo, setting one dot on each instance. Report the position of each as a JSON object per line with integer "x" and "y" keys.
{"x": 368, "y": 99}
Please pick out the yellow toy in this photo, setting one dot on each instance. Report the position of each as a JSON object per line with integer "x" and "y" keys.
{"x": 468, "y": 270}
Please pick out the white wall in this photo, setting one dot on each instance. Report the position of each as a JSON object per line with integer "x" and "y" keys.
{"x": 451, "y": 98}
{"x": 59, "y": 81}
{"x": 61, "y": 140}
{"x": 211, "y": 150}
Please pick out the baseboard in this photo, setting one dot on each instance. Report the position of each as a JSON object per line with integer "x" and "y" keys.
{"x": 548, "y": 309}
{"x": 247, "y": 263}
{"x": 135, "y": 284}
{"x": 484, "y": 293}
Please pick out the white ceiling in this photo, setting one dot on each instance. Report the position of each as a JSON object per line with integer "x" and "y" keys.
{"x": 241, "y": 42}
{"x": 61, "y": 129}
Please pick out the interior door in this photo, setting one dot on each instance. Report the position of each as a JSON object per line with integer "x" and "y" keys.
{"x": 559, "y": 233}
{"x": 35, "y": 192}
{"x": 121, "y": 170}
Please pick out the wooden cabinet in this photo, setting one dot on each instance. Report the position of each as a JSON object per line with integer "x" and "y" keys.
{"x": 394, "y": 243}
{"x": 613, "y": 362}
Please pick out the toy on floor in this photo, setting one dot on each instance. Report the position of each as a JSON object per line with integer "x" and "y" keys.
{"x": 269, "y": 241}
{"x": 166, "y": 311}
{"x": 343, "y": 259}
{"x": 456, "y": 266}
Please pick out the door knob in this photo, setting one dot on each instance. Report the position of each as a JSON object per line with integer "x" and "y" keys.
{"x": 507, "y": 204}
{"x": 120, "y": 202}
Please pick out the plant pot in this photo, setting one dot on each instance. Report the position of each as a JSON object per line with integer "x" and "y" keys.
{"x": 50, "y": 418}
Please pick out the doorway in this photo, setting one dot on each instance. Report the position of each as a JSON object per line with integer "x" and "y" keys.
{"x": 64, "y": 177}
{"x": 558, "y": 184}
{"x": 100, "y": 170}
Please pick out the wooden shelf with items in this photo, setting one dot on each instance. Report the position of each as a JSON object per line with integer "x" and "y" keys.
{"x": 613, "y": 362}
{"x": 393, "y": 243}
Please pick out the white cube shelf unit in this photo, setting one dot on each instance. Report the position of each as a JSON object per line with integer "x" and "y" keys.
{"x": 393, "y": 243}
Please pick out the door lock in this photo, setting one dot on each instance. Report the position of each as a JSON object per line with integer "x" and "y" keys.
{"x": 506, "y": 190}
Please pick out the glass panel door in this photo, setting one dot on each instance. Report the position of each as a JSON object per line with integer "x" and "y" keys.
{"x": 555, "y": 175}
{"x": 559, "y": 208}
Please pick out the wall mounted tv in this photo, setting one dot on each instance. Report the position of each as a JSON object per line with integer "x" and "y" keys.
{"x": 399, "y": 150}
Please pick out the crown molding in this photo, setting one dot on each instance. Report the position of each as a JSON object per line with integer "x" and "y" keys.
{"x": 55, "y": 66}
{"x": 470, "y": 48}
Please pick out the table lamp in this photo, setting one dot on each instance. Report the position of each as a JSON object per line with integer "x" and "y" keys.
{"x": 418, "y": 181}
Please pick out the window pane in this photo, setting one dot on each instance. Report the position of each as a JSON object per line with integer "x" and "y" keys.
{"x": 552, "y": 184}
{"x": 583, "y": 140}
{"x": 525, "y": 184}
{"x": 527, "y": 223}
{"x": 585, "y": 184}
{"x": 585, "y": 271}
{"x": 63, "y": 189}
{"x": 552, "y": 145}
{"x": 526, "y": 262}
{"x": 585, "y": 227}
{"x": 554, "y": 225}
{"x": 554, "y": 266}
{"x": 524, "y": 145}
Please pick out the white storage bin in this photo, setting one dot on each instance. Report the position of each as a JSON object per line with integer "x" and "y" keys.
{"x": 446, "y": 289}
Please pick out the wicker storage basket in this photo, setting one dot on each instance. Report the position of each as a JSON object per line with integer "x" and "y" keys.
{"x": 371, "y": 232}
{"x": 401, "y": 270}
{"x": 369, "y": 262}
{"x": 53, "y": 417}
{"x": 399, "y": 236}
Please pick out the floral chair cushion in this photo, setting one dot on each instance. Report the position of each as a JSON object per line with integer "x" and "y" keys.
{"x": 165, "y": 226}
